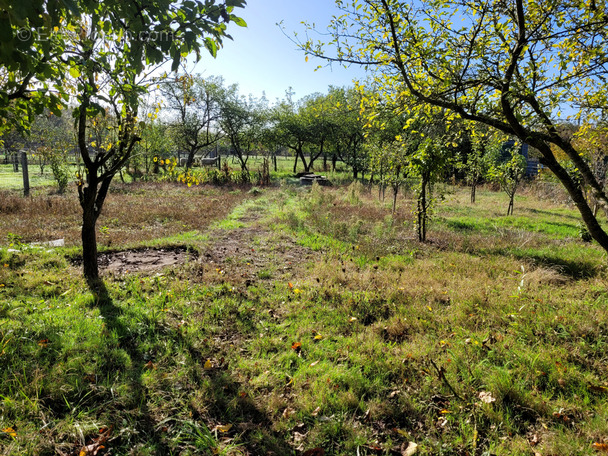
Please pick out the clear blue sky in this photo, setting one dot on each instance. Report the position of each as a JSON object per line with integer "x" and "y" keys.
{"x": 262, "y": 59}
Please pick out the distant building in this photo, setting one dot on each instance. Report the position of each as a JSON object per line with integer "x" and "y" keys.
{"x": 532, "y": 164}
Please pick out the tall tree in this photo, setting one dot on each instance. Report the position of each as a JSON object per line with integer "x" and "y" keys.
{"x": 196, "y": 103}
{"x": 242, "y": 120}
{"x": 510, "y": 65}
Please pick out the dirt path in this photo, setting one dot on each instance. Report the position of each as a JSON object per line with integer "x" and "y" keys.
{"x": 245, "y": 253}
{"x": 253, "y": 252}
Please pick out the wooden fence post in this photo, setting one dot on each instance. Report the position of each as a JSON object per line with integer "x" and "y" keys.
{"x": 26, "y": 177}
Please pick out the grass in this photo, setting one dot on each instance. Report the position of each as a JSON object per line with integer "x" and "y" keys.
{"x": 311, "y": 319}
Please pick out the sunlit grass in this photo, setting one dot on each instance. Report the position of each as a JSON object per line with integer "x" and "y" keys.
{"x": 489, "y": 339}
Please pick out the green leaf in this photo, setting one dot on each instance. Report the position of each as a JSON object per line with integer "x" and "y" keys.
{"x": 238, "y": 21}
{"x": 211, "y": 45}
{"x": 74, "y": 72}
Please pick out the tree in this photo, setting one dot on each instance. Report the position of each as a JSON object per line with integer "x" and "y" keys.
{"x": 592, "y": 141}
{"x": 349, "y": 135}
{"x": 156, "y": 143}
{"x": 508, "y": 173}
{"x": 241, "y": 120}
{"x": 512, "y": 66}
{"x": 100, "y": 52}
{"x": 196, "y": 102}
{"x": 292, "y": 130}
{"x": 54, "y": 139}
{"x": 476, "y": 163}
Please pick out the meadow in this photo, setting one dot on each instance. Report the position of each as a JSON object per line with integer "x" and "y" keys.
{"x": 303, "y": 321}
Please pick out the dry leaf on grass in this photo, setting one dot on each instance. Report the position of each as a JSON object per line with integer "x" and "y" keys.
{"x": 601, "y": 447}
{"x": 487, "y": 397}
{"x": 410, "y": 450}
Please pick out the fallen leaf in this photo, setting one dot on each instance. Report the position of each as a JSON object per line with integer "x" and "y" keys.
{"x": 598, "y": 388}
{"x": 208, "y": 365}
{"x": 318, "y": 337}
{"x": 313, "y": 364}
{"x": 296, "y": 346}
{"x": 10, "y": 431}
{"x": 297, "y": 437}
{"x": 222, "y": 428}
{"x": 288, "y": 412}
{"x": 601, "y": 447}
{"x": 316, "y": 411}
{"x": 487, "y": 397}
{"x": 98, "y": 443}
{"x": 401, "y": 432}
{"x": 411, "y": 449}
{"x": 149, "y": 365}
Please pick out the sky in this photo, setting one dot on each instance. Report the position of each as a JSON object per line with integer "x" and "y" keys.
{"x": 261, "y": 59}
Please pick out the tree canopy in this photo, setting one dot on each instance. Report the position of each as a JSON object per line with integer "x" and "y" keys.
{"x": 515, "y": 66}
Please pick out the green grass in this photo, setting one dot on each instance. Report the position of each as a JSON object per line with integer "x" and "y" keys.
{"x": 489, "y": 339}
{"x": 12, "y": 180}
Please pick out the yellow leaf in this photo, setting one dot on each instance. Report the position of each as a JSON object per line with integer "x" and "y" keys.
{"x": 306, "y": 59}
{"x": 318, "y": 337}
{"x": 208, "y": 365}
{"x": 223, "y": 428}
{"x": 10, "y": 431}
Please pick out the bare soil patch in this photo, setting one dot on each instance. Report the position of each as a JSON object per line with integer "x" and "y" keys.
{"x": 132, "y": 261}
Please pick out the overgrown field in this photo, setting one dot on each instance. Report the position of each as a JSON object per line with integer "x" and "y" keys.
{"x": 303, "y": 321}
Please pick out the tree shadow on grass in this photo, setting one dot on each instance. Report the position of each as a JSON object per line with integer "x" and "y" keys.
{"x": 574, "y": 268}
{"x": 225, "y": 401}
{"x": 133, "y": 367}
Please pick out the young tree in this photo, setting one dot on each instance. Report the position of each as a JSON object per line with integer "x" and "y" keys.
{"x": 508, "y": 173}
{"x": 511, "y": 66}
{"x": 109, "y": 79}
{"x": 478, "y": 160}
{"x": 428, "y": 161}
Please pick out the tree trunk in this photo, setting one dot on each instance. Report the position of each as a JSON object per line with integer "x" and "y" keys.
{"x": 88, "y": 233}
{"x": 295, "y": 164}
{"x": 190, "y": 159}
{"x": 575, "y": 192}
{"x": 395, "y": 191}
{"x": 473, "y": 190}
{"x": 510, "y": 208}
